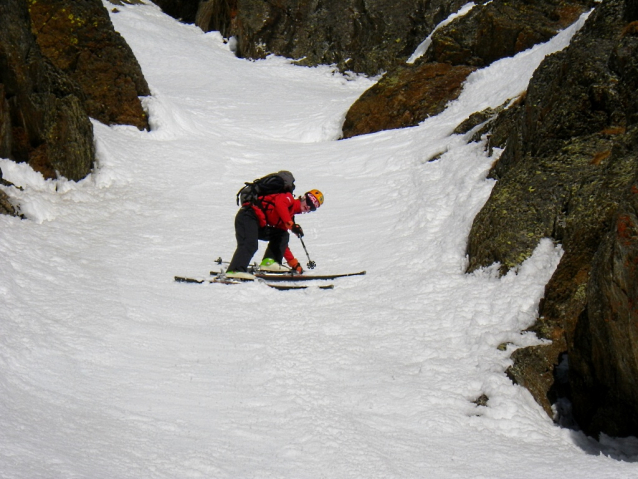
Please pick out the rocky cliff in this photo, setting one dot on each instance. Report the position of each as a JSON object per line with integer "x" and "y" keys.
{"x": 42, "y": 118}
{"x": 568, "y": 172}
{"x": 61, "y": 61}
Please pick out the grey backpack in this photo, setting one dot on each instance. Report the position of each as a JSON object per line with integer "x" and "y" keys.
{"x": 280, "y": 182}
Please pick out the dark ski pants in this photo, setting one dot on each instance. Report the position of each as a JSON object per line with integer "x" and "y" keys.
{"x": 248, "y": 233}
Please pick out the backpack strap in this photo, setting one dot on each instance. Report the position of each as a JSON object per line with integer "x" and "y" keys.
{"x": 263, "y": 205}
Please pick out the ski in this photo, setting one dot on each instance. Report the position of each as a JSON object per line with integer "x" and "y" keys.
{"x": 280, "y": 287}
{"x": 288, "y": 276}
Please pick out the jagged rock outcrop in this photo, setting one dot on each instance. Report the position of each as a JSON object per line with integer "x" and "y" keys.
{"x": 494, "y": 124}
{"x": 6, "y": 207}
{"x": 42, "y": 118}
{"x": 489, "y": 32}
{"x": 79, "y": 39}
{"x": 568, "y": 172}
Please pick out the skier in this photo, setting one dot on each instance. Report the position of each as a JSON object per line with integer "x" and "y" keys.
{"x": 270, "y": 220}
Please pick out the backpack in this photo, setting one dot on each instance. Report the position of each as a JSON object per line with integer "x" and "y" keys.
{"x": 280, "y": 182}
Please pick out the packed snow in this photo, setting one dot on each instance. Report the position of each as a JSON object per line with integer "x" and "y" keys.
{"x": 110, "y": 369}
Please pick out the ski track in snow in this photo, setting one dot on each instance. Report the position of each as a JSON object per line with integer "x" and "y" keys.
{"x": 109, "y": 369}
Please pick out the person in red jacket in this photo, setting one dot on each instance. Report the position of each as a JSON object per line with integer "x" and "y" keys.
{"x": 270, "y": 220}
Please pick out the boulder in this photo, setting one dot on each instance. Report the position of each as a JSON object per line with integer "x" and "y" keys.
{"x": 568, "y": 164}
{"x": 79, "y": 39}
{"x": 405, "y": 98}
{"x": 42, "y": 117}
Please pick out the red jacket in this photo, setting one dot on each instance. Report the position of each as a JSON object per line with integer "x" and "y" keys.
{"x": 278, "y": 210}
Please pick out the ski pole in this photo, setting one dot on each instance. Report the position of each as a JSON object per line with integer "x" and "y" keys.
{"x": 311, "y": 263}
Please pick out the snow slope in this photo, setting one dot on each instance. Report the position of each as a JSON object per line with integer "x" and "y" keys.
{"x": 109, "y": 369}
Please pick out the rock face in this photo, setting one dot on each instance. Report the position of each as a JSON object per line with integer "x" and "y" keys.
{"x": 502, "y": 28}
{"x": 79, "y": 39}
{"x": 568, "y": 172}
{"x": 42, "y": 118}
{"x": 604, "y": 361}
{"x": 487, "y": 33}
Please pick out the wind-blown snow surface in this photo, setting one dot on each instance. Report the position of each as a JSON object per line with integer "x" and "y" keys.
{"x": 109, "y": 369}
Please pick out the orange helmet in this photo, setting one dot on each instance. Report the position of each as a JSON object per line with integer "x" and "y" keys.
{"x": 314, "y": 198}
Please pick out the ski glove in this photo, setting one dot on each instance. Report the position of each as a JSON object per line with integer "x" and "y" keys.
{"x": 296, "y": 229}
{"x": 295, "y": 266}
